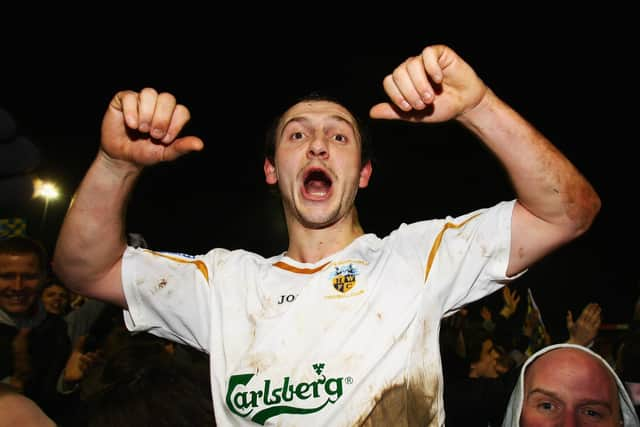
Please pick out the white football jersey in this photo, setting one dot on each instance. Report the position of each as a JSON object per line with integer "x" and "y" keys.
{"x": 349, "y": 340}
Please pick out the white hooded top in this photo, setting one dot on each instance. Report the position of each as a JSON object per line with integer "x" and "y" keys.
{"x": 514, "y": 408}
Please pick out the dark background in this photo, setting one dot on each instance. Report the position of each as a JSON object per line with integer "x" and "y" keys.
{"x": 571, "y": 77}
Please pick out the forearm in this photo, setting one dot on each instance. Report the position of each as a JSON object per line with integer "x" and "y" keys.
{"x": 546, "y": 182}
{"x": 92, "y": 238}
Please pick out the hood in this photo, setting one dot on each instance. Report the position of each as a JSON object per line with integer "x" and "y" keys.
{"x": 514, "y": 408}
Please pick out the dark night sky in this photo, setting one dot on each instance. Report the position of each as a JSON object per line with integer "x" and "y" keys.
{"x": 569, "y": 81}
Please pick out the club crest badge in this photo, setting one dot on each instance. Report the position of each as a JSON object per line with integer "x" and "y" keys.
{"x": 344, "y": 277}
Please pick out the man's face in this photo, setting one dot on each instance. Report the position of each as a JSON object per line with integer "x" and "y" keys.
{"x": 486, "y": 366}
{"x": 55, "y": 299}
{"x": 569, "y": 387}
{"x": 20, "y": 277}
{"x": 317, "y": 163}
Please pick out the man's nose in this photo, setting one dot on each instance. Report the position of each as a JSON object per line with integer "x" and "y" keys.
{"x": 318, "y": 148}
{"x": 569, "y": 420}
{"x": 17, "y": 282}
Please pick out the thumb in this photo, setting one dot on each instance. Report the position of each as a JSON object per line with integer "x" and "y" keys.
{"x": 385, "y": 111}
{"x": 182, "y": 146}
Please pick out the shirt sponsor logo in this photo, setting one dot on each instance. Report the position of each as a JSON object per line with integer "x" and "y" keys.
{"x": 269, "y": 399}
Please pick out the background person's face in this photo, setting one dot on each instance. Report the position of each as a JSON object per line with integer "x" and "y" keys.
{"x": 486, "y": 366}
{"x": 20, "y": 277}
{"x": 569, "y": 387}
{"x": 55, "y": 299}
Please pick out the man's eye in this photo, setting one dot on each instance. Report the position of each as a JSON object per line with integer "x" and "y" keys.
{"x": 297, "y": 135}
{"x": 546, "y": 406}
{"x": 340, "y": 138}
{"x": 14, "y": 276}
{"x": 592, "y": 413}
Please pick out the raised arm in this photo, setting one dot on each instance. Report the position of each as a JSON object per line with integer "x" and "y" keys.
{"x": 138, "y": 130}
{"x": 555, "y": 203}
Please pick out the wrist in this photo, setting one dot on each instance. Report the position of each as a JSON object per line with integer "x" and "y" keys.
{"x": 116, "y": 167}
{"x": 506, "y": 312}
{"x": 582, "y": 342}
{"x": 473, "y": 117}
{"x": 65, "y": 386}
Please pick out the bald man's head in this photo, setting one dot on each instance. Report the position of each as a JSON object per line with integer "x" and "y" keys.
{"x": 568, "y": 386}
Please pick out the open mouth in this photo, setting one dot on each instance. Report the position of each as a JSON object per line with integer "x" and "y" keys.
{"x": 317, "y": 184}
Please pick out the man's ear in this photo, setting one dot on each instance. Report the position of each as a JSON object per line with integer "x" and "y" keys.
{"x": 365, "y": 174}
{"x": 270, "y": 174}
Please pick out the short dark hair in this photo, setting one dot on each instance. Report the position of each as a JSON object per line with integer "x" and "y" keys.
{"x": 474, "y": 339}
{"x": 366, "y": 151}
{"x": 22, "y": 245}
{"x": 53, "y": 280}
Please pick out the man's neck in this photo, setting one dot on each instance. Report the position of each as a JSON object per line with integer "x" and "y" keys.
{"x": 311, "y": 245}
{"x": 31, "y": 318}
